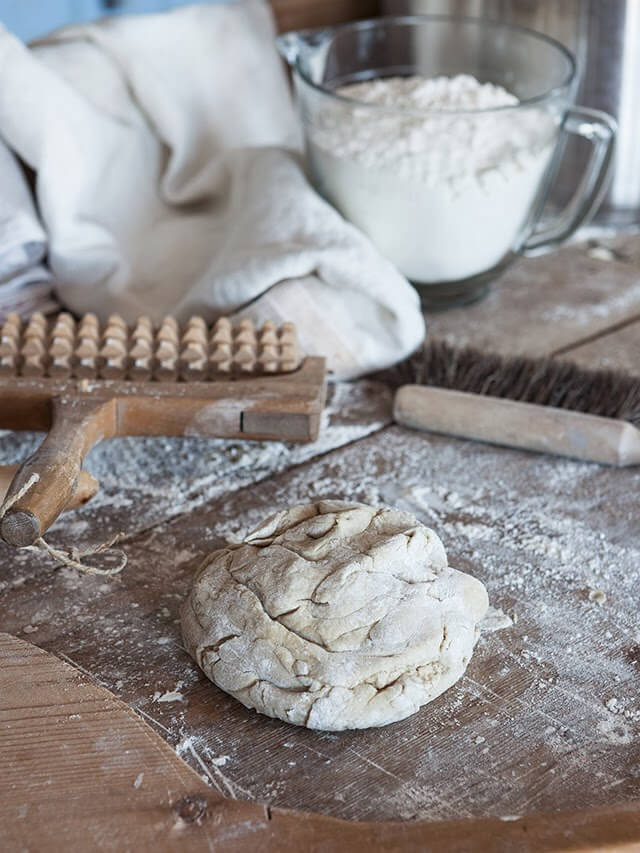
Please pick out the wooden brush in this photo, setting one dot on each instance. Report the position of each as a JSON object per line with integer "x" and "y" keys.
{"x": 546, "y": 405}
{"x": 84, "y": 382}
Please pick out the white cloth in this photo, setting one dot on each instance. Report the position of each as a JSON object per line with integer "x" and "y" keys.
{"x": 25, "y": 284}
{"x": 168, "y": 183}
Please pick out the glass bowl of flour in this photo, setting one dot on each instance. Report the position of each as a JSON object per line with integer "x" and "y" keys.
{"x": 438, "y": 137}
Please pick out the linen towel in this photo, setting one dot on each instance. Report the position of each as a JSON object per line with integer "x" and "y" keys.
{"x": 25, "y": 284}
{"x": 169, "y": 180}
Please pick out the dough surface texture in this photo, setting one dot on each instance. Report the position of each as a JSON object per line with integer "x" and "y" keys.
{"x": 334, "y": 616}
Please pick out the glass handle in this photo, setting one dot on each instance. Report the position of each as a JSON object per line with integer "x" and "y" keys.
{"x": 290, "y": 45}
{"x": 599, "y": 129}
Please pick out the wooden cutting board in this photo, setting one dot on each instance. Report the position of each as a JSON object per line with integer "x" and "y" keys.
{"x": 81, "y": 771}
{"x": 547, "y": 716}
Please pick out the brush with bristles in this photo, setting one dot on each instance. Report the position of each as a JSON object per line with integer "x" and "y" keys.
{"x": 545, "y": 404}
{"x": 83, "y": 381}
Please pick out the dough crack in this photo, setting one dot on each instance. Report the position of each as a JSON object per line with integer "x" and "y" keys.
{"x": 214, "y": 647}
{"x": 407, "y": 621}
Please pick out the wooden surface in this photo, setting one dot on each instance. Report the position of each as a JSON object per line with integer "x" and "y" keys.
{"x": 548, "y": 714}
{"x": 617, "y": 350}
{"x": 82, "y": 771}
{"x": 554, "y": 303}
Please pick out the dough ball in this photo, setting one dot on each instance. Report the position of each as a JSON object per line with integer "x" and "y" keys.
{"x": 334, "y": 616}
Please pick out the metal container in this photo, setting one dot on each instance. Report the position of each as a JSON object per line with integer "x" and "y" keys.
{"x": 605, "y": 39}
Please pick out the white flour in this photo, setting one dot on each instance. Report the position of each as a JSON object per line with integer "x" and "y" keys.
{"x": 436, "y": 171}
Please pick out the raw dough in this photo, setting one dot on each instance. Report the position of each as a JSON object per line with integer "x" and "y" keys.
{"x": 334, "y": 616}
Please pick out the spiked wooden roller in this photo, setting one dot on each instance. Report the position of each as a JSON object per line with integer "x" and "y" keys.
{"x": 84, "y": 382}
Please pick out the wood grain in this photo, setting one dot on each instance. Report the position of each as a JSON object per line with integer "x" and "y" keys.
{"x": 44, "y": 484}
{"x": 512, "y": 423}
{"x": 85, "y": 490}
{"x": 552, "y": 303}
{"x": 82, "y": 771}
{"x": 80, "y": 413}
{"x": 614, "y": 350}
{"x": 543, "y": 535}
{"x": 147, "y": 480}
{"x": 527, "y": 729}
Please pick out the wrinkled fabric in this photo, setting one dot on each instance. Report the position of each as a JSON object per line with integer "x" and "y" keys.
{"x": 25, "y": 283}
{"x": 169, "y": 180}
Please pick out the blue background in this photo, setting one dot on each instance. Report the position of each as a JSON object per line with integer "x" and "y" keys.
{"x": 31, "y": 18}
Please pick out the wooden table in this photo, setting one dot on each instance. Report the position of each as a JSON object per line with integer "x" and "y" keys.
{"x": 547, "y": 716}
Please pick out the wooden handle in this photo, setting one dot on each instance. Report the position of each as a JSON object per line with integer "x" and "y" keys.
{"x": 85, "y": 490}
{"x": 514, "y": 424}
{"x": 76, "y": 425}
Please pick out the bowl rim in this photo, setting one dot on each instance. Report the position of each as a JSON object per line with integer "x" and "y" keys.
{"x": 372, "y": 23}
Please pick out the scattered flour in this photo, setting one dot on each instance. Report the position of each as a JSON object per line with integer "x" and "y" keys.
{"x": 615, "y": 731}
{"x": 601, "y": 253}
{"x": 495, "y": 620}
{"x": 609, "y": 301}
{"x": 539, "y": 532}
{"x": 170, "y": 696}
{"x": 598, "y": 596}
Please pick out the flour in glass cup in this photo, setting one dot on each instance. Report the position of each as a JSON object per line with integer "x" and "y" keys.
{"x": 435, "y": 171}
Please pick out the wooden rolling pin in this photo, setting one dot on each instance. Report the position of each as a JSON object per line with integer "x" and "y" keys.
{"x": 85, "y": 490}
{"x": 515, "y": 424}
{"x": 83, "y": 381}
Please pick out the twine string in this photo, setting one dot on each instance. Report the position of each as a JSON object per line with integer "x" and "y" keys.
{"x": 71, "y": 557}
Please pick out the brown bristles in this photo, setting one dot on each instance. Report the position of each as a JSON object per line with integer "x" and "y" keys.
{"x": 545, "y": 381}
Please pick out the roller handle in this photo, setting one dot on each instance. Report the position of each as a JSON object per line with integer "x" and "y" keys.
{"x": 76, "y": 426}
{"x": 86, "y": 489}
{"x": 526, "y": 426}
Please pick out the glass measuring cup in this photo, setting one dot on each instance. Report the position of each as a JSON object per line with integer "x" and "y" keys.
{"x": 450, "y": 196}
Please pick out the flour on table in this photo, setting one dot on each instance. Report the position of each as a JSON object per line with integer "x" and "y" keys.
{"x": 597, "y": 595}
{"x": 495, "y": 619}
{"x": 540, "y": 532}
{"x": 175, "y": 695}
